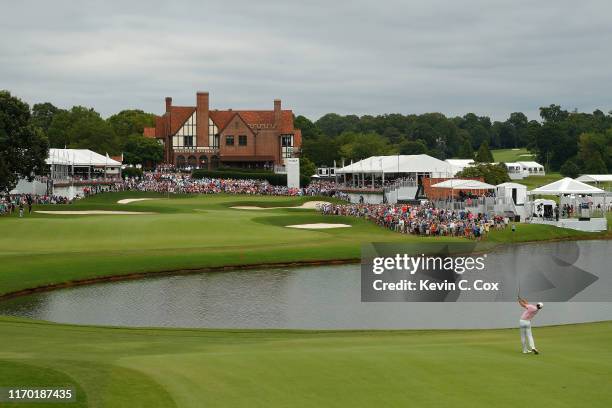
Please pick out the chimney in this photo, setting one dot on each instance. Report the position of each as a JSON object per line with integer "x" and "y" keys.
{"x": 277, "y": 113}
{"x": 168, "y": 103}
{"x": 202, "y": 109}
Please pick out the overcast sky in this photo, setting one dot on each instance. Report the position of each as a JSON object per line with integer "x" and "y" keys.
{"x": 383, "y": 56}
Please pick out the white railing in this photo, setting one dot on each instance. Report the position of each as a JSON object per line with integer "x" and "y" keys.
{"x": 400, "y": 183}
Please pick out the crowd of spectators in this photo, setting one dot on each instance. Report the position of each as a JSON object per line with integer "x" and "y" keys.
{"x": 176, "y": 182}
{"x": 422, "y": 219}
{"x": 168, "y": 181}
{"x": 20, "y": 202}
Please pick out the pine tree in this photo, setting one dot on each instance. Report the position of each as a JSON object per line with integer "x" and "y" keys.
{"x": 466, "y": 151}
{"x": 484, "y": 154}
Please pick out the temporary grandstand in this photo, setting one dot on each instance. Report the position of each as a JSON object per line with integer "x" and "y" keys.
{"x": 391, "y": 178}
{"x": 398, "y": 166}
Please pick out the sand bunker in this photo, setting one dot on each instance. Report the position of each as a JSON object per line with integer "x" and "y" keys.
{"x": 131, "y": 200}
{"x": 309, "y": 205}
{"x": 95, "y": 212}
{"x": 319, "y": 225}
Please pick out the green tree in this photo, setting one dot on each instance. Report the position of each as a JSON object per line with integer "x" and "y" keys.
{"x": 129, "y": 122}
{"x": 357, "y": 146}
{"x": 484, "y": 155}
{"x": 83, "y": 128}
{"x": 333, "y": 125}
{"x": 321, "y": 150}
{"x": 466, "y": 151}
{"x": 491, "y": 173}
{"x": 595, "y": 165}
{"x": 308, "y": 128}
{"x": 412, "y": 147}
{"x": 142, "y": 150}
{"x": 553, "y": 114}
{"x": 595, "y": 152}
{"x": 23, "y": 146}
{"x": 570, "y": 168}
{"x": 43, "y": 114}
{"x": 307, "y": 167}
{"x": 519, "y": 123}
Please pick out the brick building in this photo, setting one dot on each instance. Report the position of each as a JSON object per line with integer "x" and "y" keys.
{"x": 197, "y": 136}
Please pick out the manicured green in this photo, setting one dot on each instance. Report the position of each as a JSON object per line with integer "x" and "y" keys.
{"x": 512, "y": 155}
{"x": 187, "y": 232}
{"x": 121, "y": 367}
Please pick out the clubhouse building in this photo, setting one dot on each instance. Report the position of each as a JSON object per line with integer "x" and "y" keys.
{"x": 197, "y": 136}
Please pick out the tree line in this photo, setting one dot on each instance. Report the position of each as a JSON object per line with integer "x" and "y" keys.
{"x": 84, "y": 128}
{"x": 570, "y": 142}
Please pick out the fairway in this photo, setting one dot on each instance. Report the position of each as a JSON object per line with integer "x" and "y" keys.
{"x": 189, "y": 232}
{"x": 512, "y": 155}
{"x": 114, "y": 367}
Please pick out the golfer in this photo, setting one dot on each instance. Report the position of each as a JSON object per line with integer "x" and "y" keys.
{"x": 525, "y": 325}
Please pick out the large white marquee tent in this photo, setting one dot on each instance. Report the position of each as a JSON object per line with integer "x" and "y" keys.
{"x": 400, "y": 164}
{"x": 66, "y": 163}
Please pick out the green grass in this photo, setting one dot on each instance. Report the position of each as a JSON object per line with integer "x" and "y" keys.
{"x": 120, "y": 367}
{"x": 538, "y": 181}
{"x": 512, "y": 155}
{"x": 187, "y": 232}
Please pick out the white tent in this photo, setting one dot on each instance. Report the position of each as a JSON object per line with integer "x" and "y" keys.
{"x": 595, "y": 178}
{"x": 418, "y": 163}
{"x": 567, "y": 186}
{"x": 516, "y": 191}
{"x": 79, "y": 157}
{"x": 462, "y": 184}
{"x": 460, "y": 164}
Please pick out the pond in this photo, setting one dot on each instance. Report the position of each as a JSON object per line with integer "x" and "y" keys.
{"x": 323, "y": 297}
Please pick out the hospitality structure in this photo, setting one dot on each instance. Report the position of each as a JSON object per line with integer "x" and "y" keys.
{"x": 71, "y": 172}
{"x": 197, "y": 136}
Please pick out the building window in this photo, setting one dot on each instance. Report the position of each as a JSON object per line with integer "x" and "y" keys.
{"x": 213, "y": 134}
{"x": 229, "y": 140}
{"x": 242, "y": 140}
{"x": 185, "y": 136}
{"x": 286, "y": 140}
{"x": 286, "y": 146}
{"x": 180, "y": 161}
